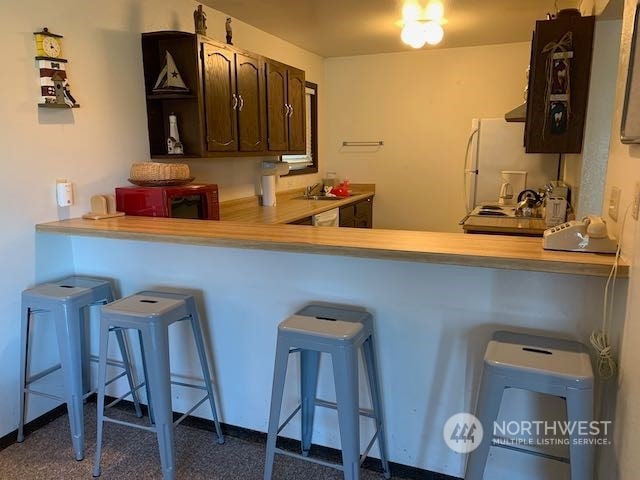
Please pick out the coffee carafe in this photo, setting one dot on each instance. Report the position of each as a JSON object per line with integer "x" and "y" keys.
{"x": 513, "y": 182}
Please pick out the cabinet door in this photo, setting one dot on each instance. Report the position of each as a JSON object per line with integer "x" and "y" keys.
{"x": 277, "y": 119}
{"x": 363, "y": 217}
{"x": 297, "y": 117}
{"x": 347, "y": 216}
{"x": 251, "y": 103}
{"x": 220, "y": 99}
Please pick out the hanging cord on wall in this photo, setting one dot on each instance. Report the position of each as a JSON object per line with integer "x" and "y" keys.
{"x": 600, "y": 338}
{"x": 559, "y": 172}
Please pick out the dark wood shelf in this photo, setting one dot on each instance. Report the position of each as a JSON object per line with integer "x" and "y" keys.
{"x": 184, "y": 155}
{"x": 57, "y": 105}
{"x": 171, "y": 96}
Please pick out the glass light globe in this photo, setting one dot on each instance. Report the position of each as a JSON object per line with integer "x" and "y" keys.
{"x": 434, "y": 11}
{"x": 413, "y": 34}
{"x": 410, "y": 12}
{"x": 433, "y": 33}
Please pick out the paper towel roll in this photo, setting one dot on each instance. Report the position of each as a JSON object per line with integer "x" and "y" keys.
{"x": 268, "y": 190}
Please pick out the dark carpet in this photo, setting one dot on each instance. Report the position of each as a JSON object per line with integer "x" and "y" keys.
{"x": 130, "y": 453}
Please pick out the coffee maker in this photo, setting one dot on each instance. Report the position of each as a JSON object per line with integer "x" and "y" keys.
{"x": 513, "y": 182}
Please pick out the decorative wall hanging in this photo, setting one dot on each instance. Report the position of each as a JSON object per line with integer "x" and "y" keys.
{"x": 559, "y": 83}
{"x": 630, "y": 126}
{"x": 54, "y": 86}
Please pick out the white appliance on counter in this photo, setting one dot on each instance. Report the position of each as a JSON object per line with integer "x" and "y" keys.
{"x": 330, "y": 218}
{"x": 494, "y": 146}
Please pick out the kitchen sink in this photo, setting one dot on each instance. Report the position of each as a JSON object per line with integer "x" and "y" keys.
{"x": 316, "y": 197}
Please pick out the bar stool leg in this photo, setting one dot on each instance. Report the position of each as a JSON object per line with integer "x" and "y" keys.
{"x": 156, "y": 348}
{"x": 277, "y": 391}
{"x": 309, "y": 366}
{"x": 124, "y": 353}
{"x": 146, "y": 377}
{"x": 24, "y": 355}
{"x": 489, "y": 399}
{"x": 345, "y": 372}
{"x": 102, "y": 379}
{"x": 67, "y": 322}
{"x": 581, "y": 456}
{"x": 374, "y": 386}
{"x": 197, "y": 337}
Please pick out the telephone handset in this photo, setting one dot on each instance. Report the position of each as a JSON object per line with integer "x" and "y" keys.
{"x": 587, "y": 235}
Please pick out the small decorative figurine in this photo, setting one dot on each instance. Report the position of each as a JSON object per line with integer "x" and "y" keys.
{"x": 174, "y": 146}
{"x": 200, "y": 21}
{"x": 54, "y": 87}
{"x": 227, "y": 27}
{"x": 169, "y": 80}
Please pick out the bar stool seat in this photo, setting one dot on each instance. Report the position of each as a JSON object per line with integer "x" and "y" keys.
{"x": 340, "y": 331}
{"x": 64, "y": 300}
{"x": 545, "y": 365}
{"x": 151, "y": 313}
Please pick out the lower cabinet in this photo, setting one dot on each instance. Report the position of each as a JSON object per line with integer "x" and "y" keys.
{"x": 357, "y": 215}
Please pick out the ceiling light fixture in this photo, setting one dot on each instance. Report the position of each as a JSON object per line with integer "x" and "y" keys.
{"x": 420, "y": 29}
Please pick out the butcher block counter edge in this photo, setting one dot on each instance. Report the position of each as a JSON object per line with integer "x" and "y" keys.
{"x": 503, "y": 252}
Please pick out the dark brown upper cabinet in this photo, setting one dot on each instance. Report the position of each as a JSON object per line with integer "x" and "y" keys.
{"x": 285, "y": 108}
{"x": 559, "y": 83}
{"x": 225, "y": 111}
{"x": 234, "y": 99}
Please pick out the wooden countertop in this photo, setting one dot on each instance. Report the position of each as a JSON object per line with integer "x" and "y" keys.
{"x": 505, "y": 225}
{"x": 288, "y": 208}
{"x": 493, "y": 251}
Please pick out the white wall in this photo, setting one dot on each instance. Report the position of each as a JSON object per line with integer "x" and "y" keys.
{"x": 421, "y": 104}
{"x": 624, "y": 171}
{"x": 94, "y": 145}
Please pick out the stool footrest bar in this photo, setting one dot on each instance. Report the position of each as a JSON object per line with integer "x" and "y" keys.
{"x": 190, "y": 385}
{"x": 337, "y": 466}
{"x": 363, "y": 457}
{"x": 293, "y": 414}
{"x": 43, "y": 373}
{"x": 186, "y": 414}
{"x": 128, "y": 424}
{"x": 43, "y": 394}
{"x": 365, "y": 412}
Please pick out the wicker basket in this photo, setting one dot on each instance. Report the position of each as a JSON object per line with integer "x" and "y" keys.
{"x": 159, "y": 171}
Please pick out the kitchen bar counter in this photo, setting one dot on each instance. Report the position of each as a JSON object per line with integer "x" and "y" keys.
{"x": 503, "y": 252}
{"x": 288, "y": 208}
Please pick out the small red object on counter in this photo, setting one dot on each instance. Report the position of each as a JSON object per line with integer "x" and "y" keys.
{"x": 340, "y": 190}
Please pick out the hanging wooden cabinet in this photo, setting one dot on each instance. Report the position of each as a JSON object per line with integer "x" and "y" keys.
{"x": 285, "y": 107}
{"x": 559, "y": 83}
{"x": 227, "y": 111}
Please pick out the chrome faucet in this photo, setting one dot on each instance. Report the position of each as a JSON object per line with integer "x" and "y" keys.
{"x": 308, "y": 191}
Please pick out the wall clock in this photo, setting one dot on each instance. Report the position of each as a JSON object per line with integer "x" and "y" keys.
{"x": 54, "y": 86}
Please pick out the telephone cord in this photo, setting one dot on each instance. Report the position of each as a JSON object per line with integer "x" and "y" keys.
{"x": 600, "y": 338}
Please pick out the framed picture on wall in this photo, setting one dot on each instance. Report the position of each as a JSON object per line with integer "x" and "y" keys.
{"x": 630, "y": 125}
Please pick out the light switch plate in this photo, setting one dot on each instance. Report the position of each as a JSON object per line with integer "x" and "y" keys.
{"x": 614, "y": 203}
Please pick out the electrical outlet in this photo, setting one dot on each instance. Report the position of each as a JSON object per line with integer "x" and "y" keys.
{"x": 636, "y": 201}
{"x": 614, "y": 203}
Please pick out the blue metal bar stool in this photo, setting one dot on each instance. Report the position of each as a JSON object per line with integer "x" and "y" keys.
{"x": 64, "y": 301}
{"x": 546, "y": 365}
{"x": 151, "y": 313}
{"x": 340, "y": 331}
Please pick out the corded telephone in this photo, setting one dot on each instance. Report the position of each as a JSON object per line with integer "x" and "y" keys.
{"x": 587, "y": 235}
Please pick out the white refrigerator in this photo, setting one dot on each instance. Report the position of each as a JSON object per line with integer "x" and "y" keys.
{"x": 495, "y": 145}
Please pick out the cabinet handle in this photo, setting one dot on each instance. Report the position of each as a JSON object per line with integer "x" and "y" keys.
{"x": 286, "y": 110}
{"x": 290, "y": 110}
{"x": 241, "y": 103}
{"x": 235, "y": 102}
